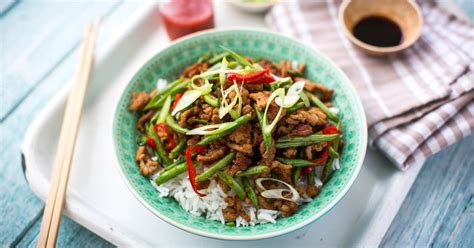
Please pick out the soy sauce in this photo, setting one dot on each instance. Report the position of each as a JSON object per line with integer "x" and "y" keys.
{"x": 378, "y": 31}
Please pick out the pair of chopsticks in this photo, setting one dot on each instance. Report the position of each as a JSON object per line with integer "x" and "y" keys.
{"x": 67, "y": 139}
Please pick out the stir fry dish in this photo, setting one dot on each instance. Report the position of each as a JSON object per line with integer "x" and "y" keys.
{"x": 236, "y": 139}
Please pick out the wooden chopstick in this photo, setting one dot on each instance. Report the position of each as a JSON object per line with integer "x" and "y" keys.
{"x": 67, "y": 139}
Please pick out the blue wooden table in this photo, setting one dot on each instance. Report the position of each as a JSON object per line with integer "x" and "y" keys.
{"x": 38, "y": 51}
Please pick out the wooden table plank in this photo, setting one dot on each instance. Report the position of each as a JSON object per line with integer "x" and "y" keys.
{"x": 70, "y": 235}
{"x": 19, "y": 208}
{"x": 6, "y": 6}
{"x": 439, "y": 205}
{"x": 42, "y": 44}
{"x": 462, "y": 234}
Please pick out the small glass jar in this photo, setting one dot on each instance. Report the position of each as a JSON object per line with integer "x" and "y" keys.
{"x": 182, "y": 17}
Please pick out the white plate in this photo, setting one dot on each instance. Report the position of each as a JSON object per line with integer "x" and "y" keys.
{"x": 98, "y": 199}
{"x": 253, "y": 7}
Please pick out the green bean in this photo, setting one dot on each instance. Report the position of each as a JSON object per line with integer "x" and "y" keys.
{"x": 230, "y": 224}
{"x": 333, "y": 153}
{"x": 165, "y": 92}
{"x": 295, "y": 107}
{"x": 175, "y": 126}
{"x": 335, "y": 143}
{"x": 141, "y": 139}
{"x": 158, "y": 100}
{"x": 251, "y": 192}
{"x": 201, "y": 121}
{"x": 311, "y": 177}
{"x": 237, "y": 123}
{"x": 304, "y": 141}
{"x": 216, "y": 167}
{"x": 177, "y": 149}
{"x": 327, "y": 171}
{"x": 294, "y": 73}
{"x": 254, "y": 170}
{"x": 323, "y": 107}
{"x": 203, "y": 58}
{"x": 159, "y": 146}
{"x": 171, "y": 173}
{"x": 177, "y": 162}
{"x": 281, "y": 83}
{"x": 296, "y": 162}
{"x": 211, "y": 100}
{"x": 162, "y": 153}
{"x": 218, "y": 57}
{"x": 304, "y": 98}
{"x": 296, "y": 175}
{"x": 241, "y": 60}
{"x": 234, "y": 185}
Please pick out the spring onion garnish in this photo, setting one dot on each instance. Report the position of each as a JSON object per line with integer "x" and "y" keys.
{"x": 292, "y": 96}
{"x": 241, "y": 60}
{"x": 211, "y": 100}
{"x": 235, "y": 124}
{"x": 205, "y": 88}
{"x": 222, "y": 73}
{"x": 236, "y": 113}
{"x": 165, "y": 111}
{"x": 187, "y": 99}
{"x": 266, "y": 128}
{"x": 191, "y": 96}
{"x": 211, "y": 129}
{"x": 277, "y": 193}
{"x": 226, "y": 107}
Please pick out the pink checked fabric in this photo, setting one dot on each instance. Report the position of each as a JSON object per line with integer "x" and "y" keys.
{"x": 417, "y": 102}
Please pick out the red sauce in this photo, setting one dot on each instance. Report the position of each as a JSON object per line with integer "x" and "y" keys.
{"x": 182, "y": 17}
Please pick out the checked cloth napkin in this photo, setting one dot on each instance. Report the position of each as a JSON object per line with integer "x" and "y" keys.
{"x": 417, "y": 102}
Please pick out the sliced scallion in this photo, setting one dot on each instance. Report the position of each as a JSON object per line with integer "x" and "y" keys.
{"x": 267, "y": 129}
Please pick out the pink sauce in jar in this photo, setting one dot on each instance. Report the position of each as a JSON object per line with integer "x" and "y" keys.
{"x": 182, "y": 17}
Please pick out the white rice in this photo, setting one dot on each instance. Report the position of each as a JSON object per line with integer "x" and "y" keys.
{"x": 335, "y": 164}
{"x": 210, "y": 206}
{"x": 180, "y": 189}
{"x": 161, "y": 83}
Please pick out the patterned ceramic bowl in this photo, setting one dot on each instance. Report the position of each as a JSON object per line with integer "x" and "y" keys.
{"x": 168, "y": 64}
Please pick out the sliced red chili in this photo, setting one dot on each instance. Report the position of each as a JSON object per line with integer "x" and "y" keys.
{"x": 330, "y": 129}
{"x": 259, "y": 77}
{"x": 324, "y": 155}
{"x": 171, "y": 144}
{"x": 151, "y": 142}
{"x": 306, "y": 170}
{"x": 191, "y": 169}
{"x": 170, "y": 135}
{"x": 265, "y": 80}
{"x": 162, "y": 126}
{"x": 199, "y": 149}
{"x": 176, "y": 100}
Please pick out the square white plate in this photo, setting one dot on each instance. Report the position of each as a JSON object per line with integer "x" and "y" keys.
{"x": 98, "y": 199}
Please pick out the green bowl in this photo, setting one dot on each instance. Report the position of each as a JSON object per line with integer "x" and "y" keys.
{"x": 168, "y": 64}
